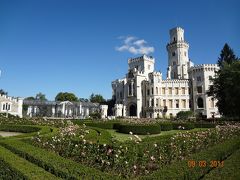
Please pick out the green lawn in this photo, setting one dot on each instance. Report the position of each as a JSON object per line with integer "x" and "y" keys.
{"x": 125, "y": 137}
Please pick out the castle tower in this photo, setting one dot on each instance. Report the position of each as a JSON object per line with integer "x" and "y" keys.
{"x": 178, "y": 61}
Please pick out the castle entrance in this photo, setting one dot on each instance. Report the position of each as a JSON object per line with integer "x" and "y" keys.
{"x": 133, "y": 110}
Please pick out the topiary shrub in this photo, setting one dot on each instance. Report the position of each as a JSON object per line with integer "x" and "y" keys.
{"x": 166, "y": 126}
{"x": 184, "y": 115}
{"x": 139, "y": 128}
{"x": 183, "y": 126}
{"x": 205, "y": 125}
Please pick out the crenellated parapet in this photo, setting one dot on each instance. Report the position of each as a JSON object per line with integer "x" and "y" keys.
{"x": 10, "y": 98}
{"x": 204, "y": 67}
{"x": 141, "y": 58}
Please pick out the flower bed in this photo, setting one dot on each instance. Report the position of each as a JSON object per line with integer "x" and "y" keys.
{"x": 136, "y": 157}
{"x": 53, "y": 163}
{"x": 181, "y": 170}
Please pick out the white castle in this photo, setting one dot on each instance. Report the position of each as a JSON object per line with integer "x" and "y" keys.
{"x": 144, "y": 94}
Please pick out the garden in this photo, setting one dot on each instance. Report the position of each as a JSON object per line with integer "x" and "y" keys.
{"x": 118, "y": 149}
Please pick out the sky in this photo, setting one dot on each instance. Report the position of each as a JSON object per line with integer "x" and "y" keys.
{"x": 81, "y": 46}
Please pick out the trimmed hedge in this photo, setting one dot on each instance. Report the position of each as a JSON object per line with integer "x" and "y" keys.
{"x": 139, "y": 128}
{"x": 230, "y": 170}
{"x": 166, "y": 126}
{"x": 205, "y": 125}
{"x": 53, "y": 163}
{"x": 185, "y": 126}
{"x": 181, "y": 170}
{"x": 15, "y": 167}
{"x": 18, "y": 128}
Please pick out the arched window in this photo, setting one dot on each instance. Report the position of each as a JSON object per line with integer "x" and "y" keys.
{"x": 200, "y": 102}
{"x": 156, "y": 90}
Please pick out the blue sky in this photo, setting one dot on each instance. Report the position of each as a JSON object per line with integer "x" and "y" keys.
{"x": 50, "y": 46}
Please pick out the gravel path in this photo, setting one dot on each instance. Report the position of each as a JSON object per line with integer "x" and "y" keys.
{"x": 7, "y": 134}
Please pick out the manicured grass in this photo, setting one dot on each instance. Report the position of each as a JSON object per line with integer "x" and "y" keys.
{"x": 230, "y": 170}
{"x": 126, "y": 137}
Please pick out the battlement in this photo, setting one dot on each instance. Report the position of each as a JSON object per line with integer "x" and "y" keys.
{"x": 141, "y": 58}
{"x": 176, "y": 81}
{"x": 204, "y": 67}
{"x": 176, "y": 29}
{"x": 14, "y": 99}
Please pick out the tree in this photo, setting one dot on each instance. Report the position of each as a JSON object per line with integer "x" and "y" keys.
{"x": 2, "y": 92}
{"x": 30, "y": 98}
{"x": 227, "y": 55}
{"x": 226, "y": 84}
{"x": 96, "y": 98}
{"x": 66, "y": 96}
{"x": 41, "y": 97}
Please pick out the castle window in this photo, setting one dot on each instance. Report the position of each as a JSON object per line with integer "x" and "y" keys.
{"x": 164, "y": 102}
{"x": 156, "y": 90}
{"x": 163, "y": 91}
{"x": 212, "y": 103}
{"x": 170, "y": 103}
{"x": 152, "y": 102}
{"x": 184, "y": 103}
{"x": 3, "y": 106}
{"x": 199, "y": 78}
{"x": 130, "y": 89}
{"x": 177, "y": 103}
{"x": 200, "y": 102}
{"x": 185, "y": 53}
{"x": 174, "y": 39}
{"x": 170, "y": 91}
{"x": 176, "y": 91}
{"x": 173, "y": 53}
{"x": 152, "y": 91}
{"x": 148, "y": 92}
{"x": 199, "y": 89}
{"x": 183, "y": 90}
{"x": 210, "y": 78}
{"x": 174, "y": 63}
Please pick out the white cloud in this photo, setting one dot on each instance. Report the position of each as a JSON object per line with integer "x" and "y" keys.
{"x": 134, "y": 45}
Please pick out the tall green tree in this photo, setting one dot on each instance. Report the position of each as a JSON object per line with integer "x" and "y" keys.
{"x": 40, "y": 96}
{"x": 226, "y": 84}
{"x": 66, "y": 96}
{"x": 227, "y": 56}
{"x": 2, "y": 92}
{"x": 96, "y": 98}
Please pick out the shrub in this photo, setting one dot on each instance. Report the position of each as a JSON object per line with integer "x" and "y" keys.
{"x": 139, "y": 128}
{"x": 53, "y": 163}
{"x": 18, "y": 128}
{"x": 205, "y": 125}
{"x": 184, "y": 115}
{"x": 166, "y": 126}
{"x": 181, "y": 170}
{"x": 184, "y": 126}
{"x": 14, "y": 167}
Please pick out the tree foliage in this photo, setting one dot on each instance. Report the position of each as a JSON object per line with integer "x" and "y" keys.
{"x": 226, "y": 84}
{"x": 66, "y": 96}
{"x": 40, "y": 96}
{"x": 227, "y": 56}
{"x": 2, "y": 92}
{"x": 96, "y": 98}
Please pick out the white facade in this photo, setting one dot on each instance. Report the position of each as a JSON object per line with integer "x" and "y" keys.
{"x": 11, "y": 105}
{"x": 144, "y": 94}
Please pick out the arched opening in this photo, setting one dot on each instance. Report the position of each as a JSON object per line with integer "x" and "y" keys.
{"x": 133, "y": 110}
{"x": 200, "y": 102}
